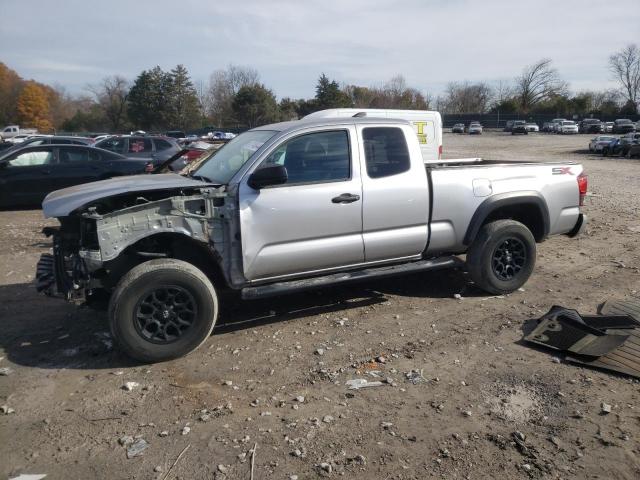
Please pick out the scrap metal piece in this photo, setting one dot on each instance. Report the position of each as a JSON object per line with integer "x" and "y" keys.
{"x": 610, "y": 340}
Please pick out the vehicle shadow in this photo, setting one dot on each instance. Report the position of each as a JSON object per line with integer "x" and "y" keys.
{"x": 43, "y": 332}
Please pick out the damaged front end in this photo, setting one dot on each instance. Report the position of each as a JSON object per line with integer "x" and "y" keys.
{"x": 95, "y": 245}
{"x": 63, "y": 272}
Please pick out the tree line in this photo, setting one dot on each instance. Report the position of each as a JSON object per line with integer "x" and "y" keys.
{"x": 158, "y": 100}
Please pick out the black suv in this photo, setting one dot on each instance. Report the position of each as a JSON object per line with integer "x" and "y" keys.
{"x": 590, "y": 125}
{"x": 623, "y": 126}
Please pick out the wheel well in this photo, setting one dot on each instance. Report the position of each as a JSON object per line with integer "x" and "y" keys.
{"x": 167, "y": 245}
{"x": 528, "y": 208}
{"x": 527, "y": 214}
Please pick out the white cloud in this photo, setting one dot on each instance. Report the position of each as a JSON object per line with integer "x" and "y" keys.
{"x": 291, "y": 42}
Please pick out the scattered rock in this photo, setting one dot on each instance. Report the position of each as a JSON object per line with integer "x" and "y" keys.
{"x": 222, "y": 469}
{"x": 327, "y": 419}
{"x": 163, "y": 433}
{"x": 228, "y": 383}
{"x": 125, "y": 440}
{"x": 4, "y": 371}
{"x": 359, "y": 383}
{"x": 555, "y": 360}
{"x": 157, "y": 469}
{"x": 381, "y": 359}
{"x": 129, "y": 386}
{"x": 605, "y": 408}
{"x": 300, "y": 399}
{"x": 5, "y": 409}
{"x": 467, "y": 413}
{"x": 326, "y": 467}
{"x": 137, "y": 448}
{"x": 185, "y": 430}
{"x": 319, "y": 351}
{"x": 457, "y": 296}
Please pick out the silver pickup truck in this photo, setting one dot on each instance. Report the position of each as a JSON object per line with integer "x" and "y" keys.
{"x": 293, "y": 206}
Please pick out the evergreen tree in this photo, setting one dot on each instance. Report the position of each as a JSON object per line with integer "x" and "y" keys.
{"x": 255, "y": 105}
{"x": 329, "y": 95}
{"x": 185, "y": 108}
{"x": 150, "y": 99}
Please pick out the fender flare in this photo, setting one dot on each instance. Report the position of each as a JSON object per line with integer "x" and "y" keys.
{"x": 529, "y": 198}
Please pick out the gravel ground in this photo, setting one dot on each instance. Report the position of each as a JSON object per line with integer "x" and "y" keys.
{"x": 274, "y": 372}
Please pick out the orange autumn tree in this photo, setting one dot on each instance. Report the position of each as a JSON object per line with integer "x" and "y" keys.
{"x": 33, "y": 110}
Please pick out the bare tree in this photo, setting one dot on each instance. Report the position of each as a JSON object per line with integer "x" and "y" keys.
{"x": 466, "y": 97}
{"x": 625, "y": 67}
{"x": 537, "y": 83}
{"x": 111, "y": 94}
{"x": 223, "y": 86}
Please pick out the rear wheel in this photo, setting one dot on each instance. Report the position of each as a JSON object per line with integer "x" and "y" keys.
{"x": 502, "y": 256}
{"x": 162, "y": 309}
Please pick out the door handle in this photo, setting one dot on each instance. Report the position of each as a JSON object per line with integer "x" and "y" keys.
{"x": 346, "y": 198}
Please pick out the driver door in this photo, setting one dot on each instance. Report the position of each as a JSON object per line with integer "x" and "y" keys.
{"x": 313, "y": 222}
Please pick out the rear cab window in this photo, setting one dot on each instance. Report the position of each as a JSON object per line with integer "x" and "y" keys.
{"x": 386, "y": 152}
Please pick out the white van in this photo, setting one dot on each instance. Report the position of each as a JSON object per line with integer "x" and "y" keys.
{"x": 427, "y": 125}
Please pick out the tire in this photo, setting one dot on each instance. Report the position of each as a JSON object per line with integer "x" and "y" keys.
{"x": 177, "y": 300}
{"x": 516, "y": 242}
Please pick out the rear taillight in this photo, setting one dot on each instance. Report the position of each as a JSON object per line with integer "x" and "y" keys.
{"x": 439, "y": 152}
{"x": 148, "y": 167}
{"x": 583, "y": 184}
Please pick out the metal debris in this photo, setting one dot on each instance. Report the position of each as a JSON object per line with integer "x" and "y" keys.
{"x": 137, "y": 448}
{"x": 358, "y": 383}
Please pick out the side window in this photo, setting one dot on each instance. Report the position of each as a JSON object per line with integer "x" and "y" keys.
{"x": 140, "y": 145}
{"x": 95, "y": 156}
{"x": 29, "y": 159}
{"x": 73, "y": 155}
{"x": 162, "y": 145}
{"x": 112, "y": 144}
{"x": 385, "y": 151}
{"x": 314, "y": 158}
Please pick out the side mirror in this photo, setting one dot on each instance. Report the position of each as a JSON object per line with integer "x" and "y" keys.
{"x": 266, "y": 176}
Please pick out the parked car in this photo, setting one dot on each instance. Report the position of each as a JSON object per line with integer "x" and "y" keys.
{"x": 567, "y": 127}
{"x": 590, "y": 125}
{"x": 12, "y": 131}
{"x": 634, "y": 151}
{"x": 475, "y": 128}
{"x": 519, "y": 126}
{"x": 27, "y": 175}
{"x": 290, "y": 207}
{"x": 177, "y": 134}
{"x": 531, "y": 127}
{"x": 508, "y": 126}
{"x": 547, "y": 126}
{"x": 154, "y": 148}
{"x": 608, "y": 127}
{"x": 623, "y": 125}
{"x": 17, "y": 138}
{"x": 621, "y": 146}
{"x": 458, "y": 128}
{"x": 555, "y": 124}
{"x": 598, "y": 143}
{"x": 50, "y": 139}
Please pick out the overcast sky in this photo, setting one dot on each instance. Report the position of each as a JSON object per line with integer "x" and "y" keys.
{"x": 290, "y": 42}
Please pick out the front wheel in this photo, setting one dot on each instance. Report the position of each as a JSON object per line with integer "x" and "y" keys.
{"x": 162, "y": 309}
{"x": 502, "y": 256}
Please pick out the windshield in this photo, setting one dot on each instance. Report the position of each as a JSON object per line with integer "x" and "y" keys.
{"x": 568, "y": 122}
{"x": 226, "y": 162}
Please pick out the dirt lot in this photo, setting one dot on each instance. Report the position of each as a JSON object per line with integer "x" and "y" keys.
{"x": 479, "y": 384}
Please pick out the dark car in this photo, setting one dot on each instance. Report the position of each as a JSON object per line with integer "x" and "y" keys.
{"x": 458, "y": 128}
{"x": 156, "y": 149}
{"x": 590, "y": 125}
{"x": 177, "y": 134}
{"x": 623, "y": 126}
{"x": 634, "y": 151}
{"x": 58, "y": 140}
{"x": 621, "y": 146}
{"x": 508, "y": 126}
{"x": 519, "y": 126}
{"x": 27, "y": 175}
